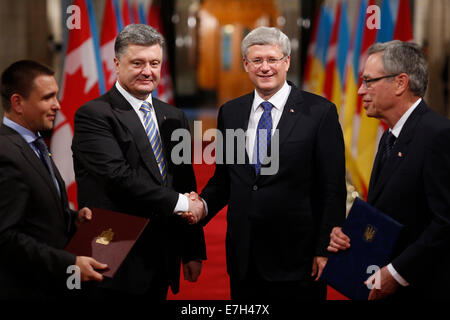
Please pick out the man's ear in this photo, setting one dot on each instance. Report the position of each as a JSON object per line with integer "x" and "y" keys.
{"x": 288, "y": 63}
{"x": 17, "y": 103}
{"x": 245, "y": 63}
{"x": 116, "y": 64}
{"x": 402, "y": 83}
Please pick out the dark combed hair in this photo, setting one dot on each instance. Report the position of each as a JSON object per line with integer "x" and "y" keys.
{"x": 18, "y": 78}
{"x": 139, "y": 34}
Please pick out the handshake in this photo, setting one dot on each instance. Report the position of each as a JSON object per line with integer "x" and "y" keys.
{"x": 197, "y": 210}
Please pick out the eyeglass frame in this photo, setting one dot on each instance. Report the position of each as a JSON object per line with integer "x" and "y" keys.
{"x": 272, "y": 63}
{"x": 366, "y": 82}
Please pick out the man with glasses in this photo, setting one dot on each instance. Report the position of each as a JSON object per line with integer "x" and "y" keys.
{"x": 279, "y": 221}
{"x": 411, "y": 174}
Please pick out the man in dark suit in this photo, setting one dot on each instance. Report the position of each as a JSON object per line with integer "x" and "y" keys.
{"x": 281, "y": 211}
{"x": 122, "y": 158}
{"x": 35, "y": 220}
{"x": 411, "y": 174}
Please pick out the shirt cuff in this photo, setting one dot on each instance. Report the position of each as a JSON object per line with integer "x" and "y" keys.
{"x": 206, "y": 206}
{"x": 182, "y": 205}
{"x": 397, "y": 276}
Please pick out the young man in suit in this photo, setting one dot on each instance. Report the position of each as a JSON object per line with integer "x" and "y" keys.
{"x": 280, "y": 214}
{"x": 122, "y": 159}
{"x": 35, "y": 220}
{"x": 411, "y": 174}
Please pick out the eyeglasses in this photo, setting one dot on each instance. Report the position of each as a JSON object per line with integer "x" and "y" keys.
{"x": 367, "y": 82}
{"x": 258, "y": 62}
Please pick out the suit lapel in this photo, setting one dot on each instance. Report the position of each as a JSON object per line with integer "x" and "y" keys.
{"x": 127, "y": 116}
{"x": 376, "y": 167}
{"x": 291, "y": 113}
{"x": 35, "y": 162}
{"x": 164, "y": 133}
{"x": 242, "y": 118}
{"x": 399, "y": 152}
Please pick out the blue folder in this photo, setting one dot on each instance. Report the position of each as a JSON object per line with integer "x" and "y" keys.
{"x": 372, "y": 237}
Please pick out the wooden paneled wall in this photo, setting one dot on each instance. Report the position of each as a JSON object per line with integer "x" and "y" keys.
{"x": 222, "y": 26}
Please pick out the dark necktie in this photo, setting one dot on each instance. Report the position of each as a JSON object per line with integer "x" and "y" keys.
{"x": 387, "y": 146}
{"x": 45, "y": 158}
{"x": 263, "y": 135}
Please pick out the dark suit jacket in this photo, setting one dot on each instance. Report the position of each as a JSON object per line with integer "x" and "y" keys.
{"x": 281, "y": 221}
{"x": 115, "y": 169}
{"x": 414, "y": 188}
{"x": 35, "y": 223}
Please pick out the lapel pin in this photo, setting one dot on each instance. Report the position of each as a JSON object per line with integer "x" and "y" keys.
{"x": 400, "y": 155}
{"x": 291, "y": 111}
{"x": 164, "y": 117}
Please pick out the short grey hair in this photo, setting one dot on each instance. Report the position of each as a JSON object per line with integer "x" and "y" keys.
{"x": 404, "y": 57}
{"x": 266, "y": 36}
{"x": 139, "y": 34}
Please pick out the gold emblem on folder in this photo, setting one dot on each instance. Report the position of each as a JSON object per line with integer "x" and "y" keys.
{"x": 106, "y": 237}
{"x": 369, "y": 234}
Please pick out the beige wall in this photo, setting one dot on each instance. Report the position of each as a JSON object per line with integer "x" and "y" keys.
{"x": 23, "y": 32}
{"x": 436, "y": 37}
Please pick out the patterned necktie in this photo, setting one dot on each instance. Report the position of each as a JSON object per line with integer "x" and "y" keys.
{"x": 263, "y": 134}
{"x": 155, "y": 141}
{"x": 45, "y": 158}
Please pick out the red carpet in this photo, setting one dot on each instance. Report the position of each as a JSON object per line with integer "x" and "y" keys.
{"x": 213, "y": 283}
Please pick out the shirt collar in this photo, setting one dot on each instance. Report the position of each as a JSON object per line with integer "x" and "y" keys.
{"x": 132, "y": 100}
{"x": 278, "y": 100}
{"x": 400, "y": 123}
{"x": 28, "y": 135}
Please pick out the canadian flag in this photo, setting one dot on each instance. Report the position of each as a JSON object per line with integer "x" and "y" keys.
{"x": 110, "y": 30}
{"x": 165, "y": 89}
{"x": 403, "y": 27}
{"x": 126, "y": 13}
{"x": 79, "y": 84}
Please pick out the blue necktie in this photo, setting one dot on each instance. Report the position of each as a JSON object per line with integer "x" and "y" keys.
{"x": 44, "y": 155}
{"x": 155, "y": 141}
{"x": 263, "y": 134}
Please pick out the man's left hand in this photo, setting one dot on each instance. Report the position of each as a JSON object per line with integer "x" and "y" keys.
{"x": 383, "y": 284}
{"x": 317, "y": 267}
{"x": 84, "y": 215}
{"x": 192, "y": 270}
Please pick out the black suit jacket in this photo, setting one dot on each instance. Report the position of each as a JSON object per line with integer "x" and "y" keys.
{"x": 414, "y": 188}
{"x": 115, "y": 169}
{"x": 35, "y": 223}
{"x": 281, "y": 221}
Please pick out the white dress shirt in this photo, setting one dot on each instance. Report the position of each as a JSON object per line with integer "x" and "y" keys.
{"x": 278, "y": 100}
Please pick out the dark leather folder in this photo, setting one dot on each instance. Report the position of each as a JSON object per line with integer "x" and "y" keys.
{"x": 372, "y": 237}
{"x": 108, "y": 238}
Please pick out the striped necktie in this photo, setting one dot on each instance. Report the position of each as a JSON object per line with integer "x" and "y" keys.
{"x": 155, "y": 141}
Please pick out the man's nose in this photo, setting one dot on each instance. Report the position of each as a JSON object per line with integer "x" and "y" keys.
{"x": 362, "y": 90}
{"x": 56, "y": 105}
{"x": 265, "y": 65}
{"x": 146, "y": 69}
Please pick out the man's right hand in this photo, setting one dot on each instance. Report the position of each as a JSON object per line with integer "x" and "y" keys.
{"x": 196, "y": 209}
{"x": 87, "y": 267}
{"x": 338, "y": 240}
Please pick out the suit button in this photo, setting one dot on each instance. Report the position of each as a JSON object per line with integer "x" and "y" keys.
{"x": 255, "y": 188}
